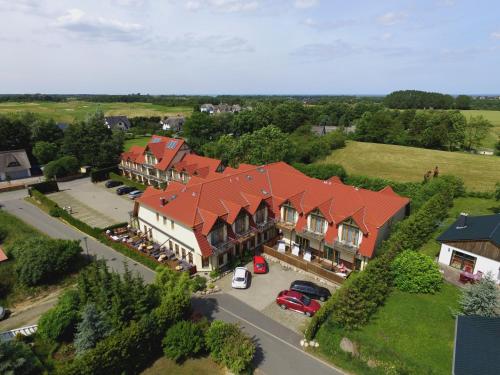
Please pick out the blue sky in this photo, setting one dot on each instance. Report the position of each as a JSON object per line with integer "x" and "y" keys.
{"x": 249, "y": 46}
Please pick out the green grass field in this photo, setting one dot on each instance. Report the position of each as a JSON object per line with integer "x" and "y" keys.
{"x": 472, "y": 206}
{"x": 77, "y": 110}
{"x": 197, "y": 366}
{"x": 400, "y": 163}
{"x": 139, "y": 141}
{"x": 494, "y": 118}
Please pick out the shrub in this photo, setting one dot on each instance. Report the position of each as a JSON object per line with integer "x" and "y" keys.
{"x": 41, "y": 260}
{"x": 58, "y": 324}
{"x": 416, "y": 273}
{"x": 229, "y": 346}
{"x": 97, "y": 175}
{"x": 198, "y": 283}
{"x": 182, "y": 340}
{"x": 7, "y": 279}
{"x": 3, "y": 234}
{"x": 65, "y": 166}
{"x": 481, "y": 299}
{"x": 45, "y": 187}
{"x": 92, "y": 329}
{"x": 497, "y": 191}
{"x": 17, "y": 358}
{"x": 322, "y": 171}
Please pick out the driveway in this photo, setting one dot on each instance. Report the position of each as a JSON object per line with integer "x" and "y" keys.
{"x": 92, "y": 203}
{"x": 264, "y": 288}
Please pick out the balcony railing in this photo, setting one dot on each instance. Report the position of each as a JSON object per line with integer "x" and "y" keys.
{"x": 308, "y": 233}
{"x": 265, "y": 225}
{"x": 244, "y": 235}
{"x": 345, "y": 247}
{"x": 285, "y": 225}
{"x": 222, "y": 247}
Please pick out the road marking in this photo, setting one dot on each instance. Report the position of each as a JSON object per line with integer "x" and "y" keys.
{"x": 280, "y": 339}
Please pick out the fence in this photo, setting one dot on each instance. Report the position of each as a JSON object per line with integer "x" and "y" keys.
{"x": 25, "y": 331}
{"x": 304, "y": 265}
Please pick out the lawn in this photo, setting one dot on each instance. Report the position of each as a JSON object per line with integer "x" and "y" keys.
{"x": 472, "y": 206}
{"x": 414, "y": 332}
{"x": 138, "y": 141}
{"x": 72, "y": 110}
{"x": 198, "y": 366}
{"x": 494, "y": 118}
{"x": 401, "y": 163}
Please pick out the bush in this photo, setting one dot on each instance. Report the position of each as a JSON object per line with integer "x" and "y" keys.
{"x": 198, "y": 283}
{"x": 322, "y": 171}
{"x": 65, "y": 166}
{"x": 3, "y": 234}
{"x": 92, "y": 329}
{"x": 58, "y": 324}
{"x": 16, "y": 358}
{"x": 41, "y": 260}
{"x": 497, "y": 191}
{"x": 7, "y": 279}
{"x": 45, "y": 187}
{"x": 481, "y": 299}
{"x": 229, "y": 346}
{"x": 182, "y": 340}
{"x": 97, "y": 175}
{"x": 416, "y": 273}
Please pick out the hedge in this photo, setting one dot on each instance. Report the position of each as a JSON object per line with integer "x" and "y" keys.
{"x": 45, "y": 187}
{"x": 127, "y": 181}
{"x": 359, "y": 298}
{"x": 97, "y": 233}
{"x": 97, "y": 175}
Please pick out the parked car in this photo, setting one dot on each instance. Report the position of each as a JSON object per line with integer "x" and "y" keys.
{"x": 134, "y": 194}
{"x": 3, "y": 312}
{"x": 112, "y": 183}
{"x": 124, "y": 190}
{"x": 310, "y": 289}
{"x": 289, "y": 299}
{"x": 241, "y": 278}
{"x": 259, "y": 264}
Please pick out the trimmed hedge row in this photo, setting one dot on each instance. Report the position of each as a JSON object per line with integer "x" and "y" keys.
{"x": 127, "y": 181}
{"x": 97, "y": 175}
{"x": 45, "y": 187}
{"x": 357, "y": 300}
{"x": 97, "y": 233}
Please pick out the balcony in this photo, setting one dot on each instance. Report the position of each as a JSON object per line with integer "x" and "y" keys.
{"x": 240, "y": 237}
{"x": 285, "y": 225}
{"x": 307, "y": 233}
{"x": 345, "y": 247}
{"x": 222, "y": 247}
{"x": 265, "y": 225}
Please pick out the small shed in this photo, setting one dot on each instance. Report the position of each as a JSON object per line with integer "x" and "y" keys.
{"x": 3, "y": 256}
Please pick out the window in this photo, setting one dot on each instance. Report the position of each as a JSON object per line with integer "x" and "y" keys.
{"x": 217, "y": 235}
{"x": 205, "y": 262}
{"x": 164, "y": 220}
{"x": 157, "y": 216}
{"x": 171, "y": 224}
{"x": 220, "y": 259}
{"x": 317, "y": 223}
{"x": 190, "y": 258}
{"x": 462, "y": 261}
{"x": 260, "y": 215}
{"x": 350, "y": 233}
{"x": 170, "y": 245}
{"x": 183, "y": 253}
{"x": 177, "y": 249}
{"x": 240, "y": 225}
{"x": 289, "y": 214}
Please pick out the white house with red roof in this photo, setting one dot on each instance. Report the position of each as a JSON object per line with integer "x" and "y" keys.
{"x": 210, "y": 221}
{"x": 166, "y": 159}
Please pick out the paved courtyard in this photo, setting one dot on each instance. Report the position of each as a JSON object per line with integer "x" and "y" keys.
{"x": 94, "y": 204}
{"x": 263, "y": 290}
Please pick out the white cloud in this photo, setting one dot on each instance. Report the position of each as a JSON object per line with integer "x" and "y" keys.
{"x": 323, "y": 51}
{"x": 79, "y": 23}
{"x": 328, "y": 25}
{"x": 223, "y": 6}
{"x": 392, "y": 18}
{"x": 221, "y": 44}
{"x": 495, "y": 35}
{"x": 304, "y": 4}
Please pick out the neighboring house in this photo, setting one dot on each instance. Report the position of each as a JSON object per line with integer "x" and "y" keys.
{"x": 473, "y": 243}
{"x": 14, "y": 164}
{"x": 210, "y": 221}
{"x": 220, "y": 108}
{"x": 477, "y": 350}
{"x": 207, "y": 108}
{"x": 174, "y": 123}
{"x": 323, "y": 130}
{"x": 166, "y": 159}
{"x": 63, "y": 126}
{"x": 117, "y": 122}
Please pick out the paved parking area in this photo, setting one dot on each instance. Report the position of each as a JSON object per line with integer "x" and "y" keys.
{"x": 94, "y": 204}
{"x": 264, "y": 288}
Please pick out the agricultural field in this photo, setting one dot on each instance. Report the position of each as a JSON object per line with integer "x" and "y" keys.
{"x": 494, "y": 118}
{"x": 75, "y": 110}
{"x": 401, "y": 163}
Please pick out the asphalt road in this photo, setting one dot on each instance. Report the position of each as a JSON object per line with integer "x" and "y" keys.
{"x": 279, "y": 350}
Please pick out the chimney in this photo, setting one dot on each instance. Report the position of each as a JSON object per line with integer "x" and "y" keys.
{"x": 163, "y": 202}
{"x": 462, "y": 221}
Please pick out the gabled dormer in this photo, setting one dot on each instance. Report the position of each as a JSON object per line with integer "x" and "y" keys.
{"x": 316, "y": 222}
{"x": 350, "y": 233}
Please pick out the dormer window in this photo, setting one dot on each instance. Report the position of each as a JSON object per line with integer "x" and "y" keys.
{"x": 317, "y": 223}
{"x": 260, "y": 215}
{"x": 289, "y": 214}
{"x": 350, "y": 233}
{"x": 240, "y": 225}
{"x": 217, "y": 234}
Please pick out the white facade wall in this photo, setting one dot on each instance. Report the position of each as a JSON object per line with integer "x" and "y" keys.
{"x": 482, "y": 264}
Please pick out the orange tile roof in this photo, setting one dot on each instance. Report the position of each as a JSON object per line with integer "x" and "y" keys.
{"x": 225, "y": 196}
{"x": 3, "y": 257}
{"x": 197, "y": 165}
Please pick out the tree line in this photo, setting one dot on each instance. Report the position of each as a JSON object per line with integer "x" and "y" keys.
{"x": 408, "y": 99}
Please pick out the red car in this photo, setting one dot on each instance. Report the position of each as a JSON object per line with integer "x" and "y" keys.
{"x": 288, "y": 299}
{"x": 259, "y": 264}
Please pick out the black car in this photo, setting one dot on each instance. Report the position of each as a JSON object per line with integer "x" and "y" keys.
{"x": 124, "y": 190}
{"x": 310, "y": 289}
{"x": 112, "y": 183}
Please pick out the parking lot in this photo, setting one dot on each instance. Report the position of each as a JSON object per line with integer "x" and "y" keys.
{"x": 94, "y": 204}
{"x": 263, "y": 290}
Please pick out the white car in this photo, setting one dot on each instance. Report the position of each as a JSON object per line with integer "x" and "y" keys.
{"x": 240, "y": 278}
{"x": 135, "y": 194}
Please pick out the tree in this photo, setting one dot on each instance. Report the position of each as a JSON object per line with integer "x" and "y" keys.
{"x": 263, "y": 146}
{"x": 497, "y": 147}
{"x": 45, "y": 152}
{"x": 16, "y": 358}
{"x": 476, "y": 129}
{"x": 481, "y": 298}
{"x": 463, "y": 102}
{"x": 15, "y": 133}
{"x": 199, "y": 129}
{"x": 92, "y": 329}
{"x": 183, "y": 339}
{"x": 62, "y": 167}
{"x": 416, "y": 273}
{"x": 58, "y": 324}
{"x": 45, "y": 131}
{"x": 41, "y": 260}
{"x": 497, "y": 191}
{"x": 289, "y": 116}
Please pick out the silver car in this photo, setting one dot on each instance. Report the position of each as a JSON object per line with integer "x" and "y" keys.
{"x": 134, "y": 194}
